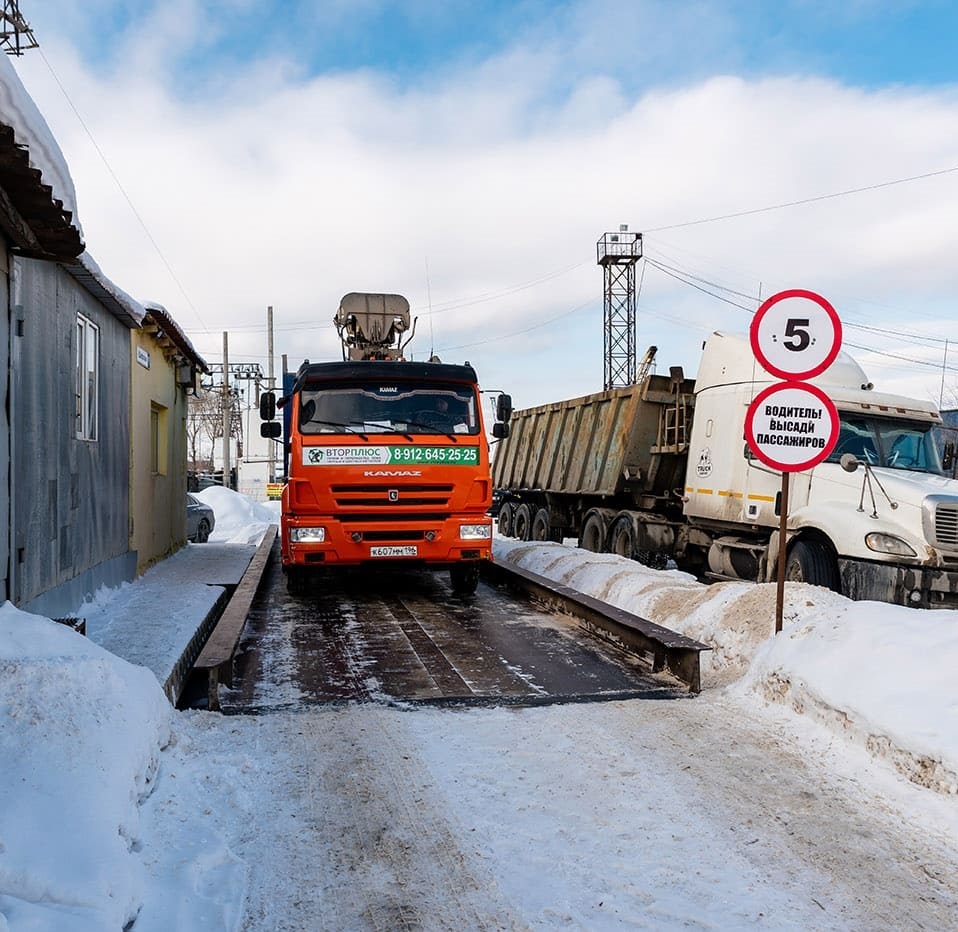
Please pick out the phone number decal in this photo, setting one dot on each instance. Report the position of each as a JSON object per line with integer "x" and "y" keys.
{"x": 384, "y": 456}
{"x": 454, "y": 456}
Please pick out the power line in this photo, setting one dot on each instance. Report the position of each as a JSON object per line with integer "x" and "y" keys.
{"x": 869, "y": 349}
{"x": 807, "y": 200}
{"x": 129, "y": 201}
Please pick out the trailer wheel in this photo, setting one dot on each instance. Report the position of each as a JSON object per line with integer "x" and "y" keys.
{"x": 522, "y": 523}
{"x": 622, "y": 538}
{"x": 506, "y": 519}
{"x": 541, "y": 525}
{"x": 464, "y": 578}
{"x": 593, "y": 534}
{"x": 654, "y": 559}
{"x": 810, "y": 562}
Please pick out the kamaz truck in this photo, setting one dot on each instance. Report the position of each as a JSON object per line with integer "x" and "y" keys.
{"x": 387, "y": 459}
{"x": 661, "y": 471}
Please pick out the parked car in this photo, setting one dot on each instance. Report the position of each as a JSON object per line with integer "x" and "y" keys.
{"x": 200, "y": 520}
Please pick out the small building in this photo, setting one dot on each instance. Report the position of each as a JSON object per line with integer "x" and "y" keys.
{"x": 70, "y": 434}
{"x": 38, "y": 229}
{"x": 164, "y": 373}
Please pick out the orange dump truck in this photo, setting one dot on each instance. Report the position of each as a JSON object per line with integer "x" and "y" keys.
{"x": 388, "y": 460}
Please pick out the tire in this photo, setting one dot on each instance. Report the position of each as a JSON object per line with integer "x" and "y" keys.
{"x": 522, "y": 523}
{"x": 541, "y": 525}
{"x": 506, "y": 520}
{"x": 296, "y": 580}
{"x": 464, "y": 578}
{"x": 654, "y": 559}
{"x": 622, "y": 538}
{"x": 593, "y": 534}
{"x": 203, "y": 531}
{"x": 810, "y": 562}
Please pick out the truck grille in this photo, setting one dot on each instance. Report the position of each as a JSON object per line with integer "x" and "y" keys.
{"x": 946, "y": 525}
{"x": 390, "y": 495}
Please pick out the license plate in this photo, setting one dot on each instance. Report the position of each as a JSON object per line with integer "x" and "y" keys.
{"x": 394, "y": 551}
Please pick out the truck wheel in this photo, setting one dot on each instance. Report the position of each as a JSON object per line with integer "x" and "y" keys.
{"x": 593, "y": 534}
{"x": 622, "y": 538}
{"x": 522, "y": 524}
{"x": 654, "y": 559}
{"x": 464, "y": 578}
{"x": 540, "y": 525}
{"x": 506, "y": 519}
{"x": 295, "y": 580}
{"x": 810, "y": 562}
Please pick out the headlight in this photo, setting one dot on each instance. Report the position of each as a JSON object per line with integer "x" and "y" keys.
{"x": 888, "y": 543}
{"x": 313, "y": 535}
{"x": 475, "y": 532}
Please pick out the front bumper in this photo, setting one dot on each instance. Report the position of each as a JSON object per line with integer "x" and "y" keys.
{"x": 911, "y": 586}
{"x": 351, "y": 543}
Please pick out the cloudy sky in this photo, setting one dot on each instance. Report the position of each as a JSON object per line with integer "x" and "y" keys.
{"x": 229, "y": 155}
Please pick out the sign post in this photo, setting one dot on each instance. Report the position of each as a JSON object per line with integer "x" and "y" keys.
{"x": 791, "y": 426}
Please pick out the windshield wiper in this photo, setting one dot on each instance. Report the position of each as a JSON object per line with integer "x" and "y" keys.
{"x": 341, "y": 426}
{"x": 431, "y": 428}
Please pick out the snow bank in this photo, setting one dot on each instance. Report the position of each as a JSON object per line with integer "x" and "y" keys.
{"x": 238, "y": 520}
{"x": 881, "y": 675}
{"x": 80, "y": 737}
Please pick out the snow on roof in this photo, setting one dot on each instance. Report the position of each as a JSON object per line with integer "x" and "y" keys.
{"x": 161, "y": 317}
{"x": 35, "y": 163}
{"x": 113, "y": 298}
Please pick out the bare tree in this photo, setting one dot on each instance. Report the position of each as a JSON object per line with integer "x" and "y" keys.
{"x": 204, "y": 424}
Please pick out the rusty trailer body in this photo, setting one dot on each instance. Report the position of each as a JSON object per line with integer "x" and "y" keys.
{"x": 616, "y": 450}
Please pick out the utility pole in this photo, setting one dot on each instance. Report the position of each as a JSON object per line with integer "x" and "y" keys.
{"x": 271, "y": 386}
{"x": 226, "y": 411}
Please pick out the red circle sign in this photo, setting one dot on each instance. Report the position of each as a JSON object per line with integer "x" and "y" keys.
{"x": 792, "y": 426}
{"x": 796, "y": 334}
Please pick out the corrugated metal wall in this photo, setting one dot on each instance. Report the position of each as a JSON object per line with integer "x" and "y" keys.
{"x": 70, "y": 497}
{"x": 5, "y": 323}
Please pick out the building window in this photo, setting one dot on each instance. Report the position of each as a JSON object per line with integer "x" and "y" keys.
{"x": 158, "y": 440}
{"x": 87, "y": 378}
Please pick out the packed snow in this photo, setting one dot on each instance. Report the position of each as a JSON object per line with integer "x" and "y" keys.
{"x": 119, "y": 811}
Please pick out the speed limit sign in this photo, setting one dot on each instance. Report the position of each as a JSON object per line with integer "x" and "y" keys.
{"x": 796, "y": 334}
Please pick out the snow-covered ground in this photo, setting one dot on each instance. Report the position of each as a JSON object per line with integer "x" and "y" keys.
{"x": 813, "y": 783}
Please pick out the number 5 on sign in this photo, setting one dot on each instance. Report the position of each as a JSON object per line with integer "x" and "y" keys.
{"x": 796, "y": 334}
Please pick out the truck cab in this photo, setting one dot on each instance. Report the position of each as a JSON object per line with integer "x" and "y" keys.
{"x": 878, "y": 519}
{"x": 388, "y": 460}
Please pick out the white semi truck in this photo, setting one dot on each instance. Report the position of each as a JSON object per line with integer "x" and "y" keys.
{"x": 661, "y": 469}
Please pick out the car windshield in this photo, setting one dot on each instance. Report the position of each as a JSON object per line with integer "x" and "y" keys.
{"x": 392, "y": 407}
{"x": 887, "y": 442}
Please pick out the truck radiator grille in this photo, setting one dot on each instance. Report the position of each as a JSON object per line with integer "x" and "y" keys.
{"x": 946, "y": 525}
{"x": 391, "y": 496}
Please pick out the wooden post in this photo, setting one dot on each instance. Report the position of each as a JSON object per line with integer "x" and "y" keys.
{"x": 782, "y": 522}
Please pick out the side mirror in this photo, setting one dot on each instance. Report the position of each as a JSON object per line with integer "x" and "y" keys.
{"x": 271, "y": 430}
{"x": 500, "y": 431}
{"x": 504, "y": 408}
{"x": 849, "y": 462}
{"x": 267, "y": 406}
{"x": 948, "y": 456}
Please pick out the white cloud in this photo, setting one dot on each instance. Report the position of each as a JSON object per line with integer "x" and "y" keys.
{"x": 288, "y": 191}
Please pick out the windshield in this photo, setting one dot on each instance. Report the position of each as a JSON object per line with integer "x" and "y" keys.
{"x": 886, "y": 442}
{"x": 376, "y": 407}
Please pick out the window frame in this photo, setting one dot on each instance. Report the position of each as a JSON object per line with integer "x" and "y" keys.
{"x": 87, "y": 379}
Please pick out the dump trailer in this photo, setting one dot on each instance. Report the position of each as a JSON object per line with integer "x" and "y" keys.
{"x": 387, "y": 460}
{"x": 661, "y": 471}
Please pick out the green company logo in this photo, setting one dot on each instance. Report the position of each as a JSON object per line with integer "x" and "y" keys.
{"x": 459, "y": 455}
